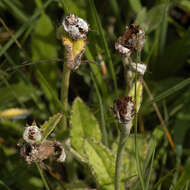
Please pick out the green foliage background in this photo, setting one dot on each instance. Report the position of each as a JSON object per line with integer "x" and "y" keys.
{"x": 31, "y": 63}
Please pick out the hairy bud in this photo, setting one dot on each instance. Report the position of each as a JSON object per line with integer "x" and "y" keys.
{"x": 124, "y": 109}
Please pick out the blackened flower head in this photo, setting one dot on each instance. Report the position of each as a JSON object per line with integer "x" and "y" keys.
{"x": 133, "y": 39}
{"x": 76, "y": 27}
{"x": 39, "y": 152}
{"x": 124, "y": 109}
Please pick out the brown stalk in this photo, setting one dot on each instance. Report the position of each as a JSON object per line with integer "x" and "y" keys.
{"x": 159, "y": 116}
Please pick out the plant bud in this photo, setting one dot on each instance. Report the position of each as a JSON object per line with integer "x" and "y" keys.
{"x": 76, "y": 27}
{"x": 124, "y": 109}
{"x": 32, "y": 134}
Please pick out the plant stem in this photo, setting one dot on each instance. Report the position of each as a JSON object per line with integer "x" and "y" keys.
{"x": 103, "y": 124}
{"x": 124, "y": 133}
{"x": 138, "y": 59}
{"x": 65, "y": 90}
{"x": 42, "y": 176}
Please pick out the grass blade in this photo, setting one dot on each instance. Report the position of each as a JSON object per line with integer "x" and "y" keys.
{"x": 102, "y": 35}
{"x": 170, "y": 91}
{"x": 23, "y": 28}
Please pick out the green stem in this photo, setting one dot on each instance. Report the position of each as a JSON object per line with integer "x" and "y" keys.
{"x": 65, "y": 90}
{"x": 103, "y": 123}
{"x": 138, "y": 58}
{"x": 124, "y": 133}
{"x": 42, "y": 176}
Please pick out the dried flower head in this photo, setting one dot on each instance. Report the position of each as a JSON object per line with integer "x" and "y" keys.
{"x": 133, "y": 39}
{"x": 39, "y": 152}
{"x": 140, "y": 67}
{"x": 76, "y": 27}
{"x": 124, "y": 109}
{"x": 32, "y": 134}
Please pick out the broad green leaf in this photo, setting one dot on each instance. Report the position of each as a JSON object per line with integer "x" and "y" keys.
{"x": 102, "y": 163}
{"x": 50, "y": 125}
{"x": 44, "y": 47}
{"x": 83, "y": 125}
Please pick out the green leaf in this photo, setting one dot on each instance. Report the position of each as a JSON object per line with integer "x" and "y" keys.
{"x": 44, "y": 47}
{"x": 83, "y": 125}
{"x": 20, "y": 91}
{"x": 129, "y": 162}
{"x": 21, "y": 30}
{"x": 101, "y": 32}
{"x": 156, "y": 137}
{"x": 184, "y": 177}
{"x": 155, "y": 16}
{"x": 174, "y": 57}
{"x": 13, "y": 9}
{"x": 136, "y": 5}
{"x": 170, "y": 91}
{"x": 50, "y": 125}
{"x": 102, "y": 162}
{"x": 185, "y": 4}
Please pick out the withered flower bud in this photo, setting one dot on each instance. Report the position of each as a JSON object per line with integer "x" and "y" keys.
{"x": 32, "y": 134}
{"x": 124, "y": 109}
{"x": 39, "y": 152}
{"x": 133, "y": 39}
{"x": 76, "y": 27}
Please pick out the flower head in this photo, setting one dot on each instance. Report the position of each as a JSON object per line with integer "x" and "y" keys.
{"x": 39, "y": 152}
{"x": 133, "y": 39}
{"x": 124, "y": 109}
{"x": 32, "y": 134}
{"x": 76, "y": 27}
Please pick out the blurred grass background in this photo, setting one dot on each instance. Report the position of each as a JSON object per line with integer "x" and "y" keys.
{"x": 30, "y": 79}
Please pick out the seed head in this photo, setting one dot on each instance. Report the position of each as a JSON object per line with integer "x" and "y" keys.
{"x": 124, "y": 109}
{"x": 39, "y": 152}
{"x": 32, "y": 134}
{"x": 133, "y": 39}
{"x": 76, "y": 27}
